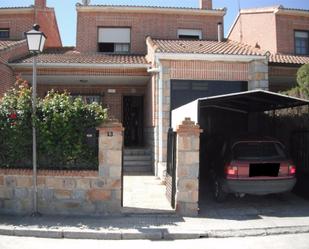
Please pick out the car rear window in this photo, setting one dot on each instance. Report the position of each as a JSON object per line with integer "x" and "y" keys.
{"x": 258, "y": 150}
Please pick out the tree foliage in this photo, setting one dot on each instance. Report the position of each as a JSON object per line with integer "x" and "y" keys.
{"x": 303, "y": 80}
{"x": 62, "y": 124}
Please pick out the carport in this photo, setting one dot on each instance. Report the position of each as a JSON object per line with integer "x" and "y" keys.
{"x": 232, "y": 114}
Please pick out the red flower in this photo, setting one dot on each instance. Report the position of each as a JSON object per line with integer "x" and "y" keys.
{"x": 13, "y": 115}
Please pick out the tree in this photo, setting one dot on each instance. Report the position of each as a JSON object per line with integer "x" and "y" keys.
{"x": 303, "y": 80}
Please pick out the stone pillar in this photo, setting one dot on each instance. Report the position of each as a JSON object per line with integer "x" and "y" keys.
{"x": 162, "y": 120}
{"x": 187, "y": 168}
{"x": 110, "y": 154}
{"x": 258, "y": 75}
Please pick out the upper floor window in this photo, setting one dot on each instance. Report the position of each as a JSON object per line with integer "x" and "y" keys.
{"x": 302, "y": 42}
{"x": 4, "y": 33}
{"x": 114, "y": 40}
{"x": 190, "y": 34}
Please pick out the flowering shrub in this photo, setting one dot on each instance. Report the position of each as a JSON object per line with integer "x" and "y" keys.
{"x": 62, "y": 124}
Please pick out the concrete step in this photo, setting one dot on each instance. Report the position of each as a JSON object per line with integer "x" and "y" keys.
{"x": 137, "y": 169}
{"x": 137, "y": 158}
{"x": 136, "y": 152}
{"x": 137, "y": 163}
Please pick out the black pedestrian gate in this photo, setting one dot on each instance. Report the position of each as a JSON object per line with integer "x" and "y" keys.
{"x": 300, "y": 150}
{"x": 171, "y": 167}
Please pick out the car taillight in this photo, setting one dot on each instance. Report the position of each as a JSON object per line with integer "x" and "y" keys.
{"x": 292, "y": 170}
{"x": 231, "y": 170}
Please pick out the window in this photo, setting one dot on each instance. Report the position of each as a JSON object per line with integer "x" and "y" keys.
{"x": 88, "y": 99}
{"x": 114, "y": 40}
{"x": 189, "y": 34}
{"x": 302, "y": 42}
{"x": 4, "y": 33}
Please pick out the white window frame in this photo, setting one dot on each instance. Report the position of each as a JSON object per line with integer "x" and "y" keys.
{"x": 190, "y": 32}
{"x": 118, "y": 36}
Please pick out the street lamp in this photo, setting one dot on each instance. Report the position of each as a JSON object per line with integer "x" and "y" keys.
{"x": 35, "y": 40}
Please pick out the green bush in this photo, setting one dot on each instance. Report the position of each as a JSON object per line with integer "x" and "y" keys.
{"x": 303, "y": 80}
{"x": 62, "y": 124}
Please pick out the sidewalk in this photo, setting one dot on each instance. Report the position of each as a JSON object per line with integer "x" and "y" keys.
{"x": 153, "y": 227}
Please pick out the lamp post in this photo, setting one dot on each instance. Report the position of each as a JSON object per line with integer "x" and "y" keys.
{"x": 35, "y": 40}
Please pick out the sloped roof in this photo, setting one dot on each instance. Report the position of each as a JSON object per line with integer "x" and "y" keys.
{"x": 70, "y": 56}
{"x": 204, "y": 47}
{"x": 9, "y": 44}
{"x": 143, "y": 6}
{"x": 288, "y": 59}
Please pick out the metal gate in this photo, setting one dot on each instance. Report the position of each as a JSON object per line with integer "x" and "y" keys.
{"x": 171, "y": 167}
{"x": 300, "y": 150}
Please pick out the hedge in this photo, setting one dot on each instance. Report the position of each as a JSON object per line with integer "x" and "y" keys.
{"x": 62, "y": 123}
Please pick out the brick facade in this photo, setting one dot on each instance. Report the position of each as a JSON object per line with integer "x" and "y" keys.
{"x": 18, "y": 21}
{"x": 156, "y": 25}
{"x": 255, "y": 29}
{"x": 8, "y": 76}
{"x": 285, "y": 27}
{"x": 270, "y": 30}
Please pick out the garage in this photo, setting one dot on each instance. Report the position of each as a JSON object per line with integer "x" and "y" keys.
{"x": 231, "y": 115}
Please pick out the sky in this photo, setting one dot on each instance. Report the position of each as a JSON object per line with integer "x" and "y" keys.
{"x": 66, "y": 14}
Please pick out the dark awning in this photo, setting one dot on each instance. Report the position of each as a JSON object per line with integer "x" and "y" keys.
{"x": 252, "y": 101}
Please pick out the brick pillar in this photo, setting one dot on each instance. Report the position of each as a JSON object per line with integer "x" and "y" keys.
{"x": 41, "y": 4}
{"x": 206, "y": 4}
{"x": 187, "y": 168}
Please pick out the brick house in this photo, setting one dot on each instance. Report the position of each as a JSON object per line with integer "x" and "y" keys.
{"x": 142, "y": 62}
{"x": 13, "y": 23}
{"x": 283, "y": 32}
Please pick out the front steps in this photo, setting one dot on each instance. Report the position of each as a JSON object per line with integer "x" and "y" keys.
{"x": 137, "y": 160}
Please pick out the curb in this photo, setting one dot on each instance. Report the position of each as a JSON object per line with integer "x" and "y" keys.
{"x": 150, "y": 234}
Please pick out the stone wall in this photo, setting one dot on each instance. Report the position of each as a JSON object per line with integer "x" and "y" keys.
{"x": 59, "y": 192}
{"x": 70, "y": 192}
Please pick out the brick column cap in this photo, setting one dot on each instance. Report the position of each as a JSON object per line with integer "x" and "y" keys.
{"x": 112, "y": 124}
{"x": 189, "y": 127}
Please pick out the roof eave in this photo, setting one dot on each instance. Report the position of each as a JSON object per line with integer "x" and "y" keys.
{"x": 292, "y": 12}
{"x": 124, "y": 9}
{"x": 16, "y": 10}
{"x": 80, "y": 65}
{"x": 209, "y": 57}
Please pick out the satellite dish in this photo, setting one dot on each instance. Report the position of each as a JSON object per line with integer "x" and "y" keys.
{"x": 86, "y": 2}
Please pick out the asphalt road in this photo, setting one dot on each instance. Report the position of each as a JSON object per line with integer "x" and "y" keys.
{"x": 295, "y": 241}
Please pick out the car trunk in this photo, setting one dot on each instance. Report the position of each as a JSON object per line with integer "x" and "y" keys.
{"x": 258, "y": 169}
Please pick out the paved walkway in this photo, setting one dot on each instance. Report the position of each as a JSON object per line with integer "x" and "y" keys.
{"x": 286, "y": 214}
{"x": 144, "y": 194}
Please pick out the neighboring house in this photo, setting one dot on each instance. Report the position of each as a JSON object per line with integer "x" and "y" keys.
{"x": 14, "y": 22}
{"x": 283, "y": 32}
{"x": 142, "y": 62}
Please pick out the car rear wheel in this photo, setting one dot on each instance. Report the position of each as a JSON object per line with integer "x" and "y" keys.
{"x": 219, "y": 194}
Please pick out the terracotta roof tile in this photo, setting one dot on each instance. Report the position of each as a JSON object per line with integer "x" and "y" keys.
{"x": 288, "y": 59}
{"x": 71, "y": 56}
{"x": 204, "y": 47}
{"x": 144, "y": 6}
{"x": 9, "y": 44}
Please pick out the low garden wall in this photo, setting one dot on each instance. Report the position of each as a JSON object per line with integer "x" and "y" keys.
{"x": 59, "y": 192}
{"x": 70, "y": 192}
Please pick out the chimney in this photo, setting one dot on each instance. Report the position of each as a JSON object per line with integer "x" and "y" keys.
{"x": 206, "y": 4}
{"x": 40, "y": 4}
{"x": 220, "y": 32}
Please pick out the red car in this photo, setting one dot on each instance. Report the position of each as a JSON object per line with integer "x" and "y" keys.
{"x": 257, "y": 166}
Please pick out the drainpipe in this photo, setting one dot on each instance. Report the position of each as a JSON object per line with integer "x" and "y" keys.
{"x": 160, "y": 114}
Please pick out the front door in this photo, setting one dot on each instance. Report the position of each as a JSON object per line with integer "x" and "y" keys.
{"x": 133, "y": 120}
